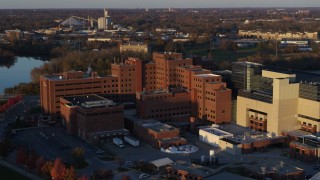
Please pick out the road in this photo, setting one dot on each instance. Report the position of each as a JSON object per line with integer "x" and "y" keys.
{"x": 27, "y": 103}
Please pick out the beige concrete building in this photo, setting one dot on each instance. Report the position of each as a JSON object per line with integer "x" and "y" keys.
{"x": 270, "y": 112}
{"x": 309, "y": 107}
{"x": 279, "y": 35}
{"x": 134, "y": 46}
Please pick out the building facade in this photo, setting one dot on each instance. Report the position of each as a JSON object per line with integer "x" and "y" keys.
{"x": 92, "y": 117}
{"x": 138, "y": 47}
{"x": 266, "y": 112}
{"x": 290, "y": 105}
{"x": 157, "y": 134}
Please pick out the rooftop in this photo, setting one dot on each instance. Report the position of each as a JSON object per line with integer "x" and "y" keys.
{"x": 70, "y": 75}
{"x": 274, "y": 166}
{"x": 155, "y": 125}
{"x": 88, "y": 101}
{"x": 207, "y": 75}
{"x": 226, "y": 175}
{"x": 244, "y": 134}
{"x": 171, "y": 140}
{"x": 216, "y": 131}
{"x": 134, "y": 43}
{"x": 193, "y": 168}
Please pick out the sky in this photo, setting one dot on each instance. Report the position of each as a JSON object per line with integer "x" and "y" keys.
{"x": 30, "y": 4}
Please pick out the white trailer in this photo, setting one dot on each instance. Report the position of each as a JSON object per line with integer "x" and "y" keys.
{"x": 118, "y": 142}
{"x": 132, "y": 141}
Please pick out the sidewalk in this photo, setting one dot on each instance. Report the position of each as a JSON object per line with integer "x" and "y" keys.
{"x": 19, "y": 170}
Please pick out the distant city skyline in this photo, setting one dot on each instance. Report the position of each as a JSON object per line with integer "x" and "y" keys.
{"x": 30, "y": 4}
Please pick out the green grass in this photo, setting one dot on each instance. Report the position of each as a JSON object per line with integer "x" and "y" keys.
{"x": 7, "y": 173}
{"x": 221, "y": 55}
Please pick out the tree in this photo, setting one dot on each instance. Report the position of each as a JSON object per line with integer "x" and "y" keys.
{"x": 103, "y": 174}
{"x": 83, "y": 178}
{"x": 21, "y": 156}
{"x": 46, "y": 169}
{"x": 69, "y": 174}
{"x": 39, "y": 163}
{"x": 58, "y": 169}
{"x": 31, "y": 160}
{"x": 126, "y": 177}
{"x": 78, "y": 155}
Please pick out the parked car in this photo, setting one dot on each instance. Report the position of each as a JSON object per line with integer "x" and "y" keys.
{"x": 129, "y": 163}
{"x": 143, "y": 176}
{"x": 99, "y": 151}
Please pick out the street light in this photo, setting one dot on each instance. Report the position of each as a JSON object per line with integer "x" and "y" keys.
{"x": 26, "y": 167}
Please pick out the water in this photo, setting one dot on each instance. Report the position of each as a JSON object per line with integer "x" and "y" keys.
{"x": 18, "y": 73}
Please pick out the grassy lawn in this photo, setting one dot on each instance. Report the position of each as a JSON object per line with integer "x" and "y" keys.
{"x": 221, "y": 55}
{"x": 7, "y": 173}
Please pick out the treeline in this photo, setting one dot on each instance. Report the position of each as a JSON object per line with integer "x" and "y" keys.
{"x": 298, "y": 61}
{"x": 23, "y": 88}
{"x": 99, "y": 61}
{"x": 7, "y": 58}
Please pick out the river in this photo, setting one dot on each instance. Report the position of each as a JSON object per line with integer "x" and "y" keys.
{"x": 19, "y": 72}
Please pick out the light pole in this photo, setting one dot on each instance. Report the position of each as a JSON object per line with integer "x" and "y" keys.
{"x": 26, "y": 167}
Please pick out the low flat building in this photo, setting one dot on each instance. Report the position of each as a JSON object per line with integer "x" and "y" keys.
{"x": 235, "y": 139}
{"x": 303, "y": 145}
{"x": 134, "y": 46}
{"x": 212, "y": 135}
{"x": 157, "y": 134}
{"x": 186, "y": 170}
{"x": 274, "y": 169}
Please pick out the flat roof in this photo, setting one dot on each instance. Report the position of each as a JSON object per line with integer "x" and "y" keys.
{"x": 273, "y": 165}
{"x": 244, "y": 134}
{"x": 162, "y": 162}
{"x": 173, "y": 139}
{"x": 226, "y": 175}
{"x": 155, "y": 125}
{"x": 77, "y": 100}
{"x": 207, "y": 75}
{"x": 215, "y": 131}
{"x": 88, "y": 101}
{"x": 297, "y": 133}
{"x": 193, "y": 168}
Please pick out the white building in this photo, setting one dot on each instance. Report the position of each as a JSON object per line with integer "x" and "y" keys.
{"x": 212, "y": 135}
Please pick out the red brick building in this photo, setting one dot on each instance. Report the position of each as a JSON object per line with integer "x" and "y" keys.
{"x": 303, "y": 145}
{"x": 158, "y": 134}
{"x": 204, "y": 98}
{"x": 92, "y": 117}
{"x": 164, "y": 106}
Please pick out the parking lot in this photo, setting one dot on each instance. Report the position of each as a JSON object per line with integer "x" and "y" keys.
{"x": 51, "y": 142}
{"x": 148, "y": 153}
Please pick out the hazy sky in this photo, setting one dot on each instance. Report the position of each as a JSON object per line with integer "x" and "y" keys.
{"x": 21, "y": 4}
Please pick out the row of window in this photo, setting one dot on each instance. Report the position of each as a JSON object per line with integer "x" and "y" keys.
{"x": 101, "y": 113}
{"x": 166, "y": 115}
{"x": 171, "y": 109}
